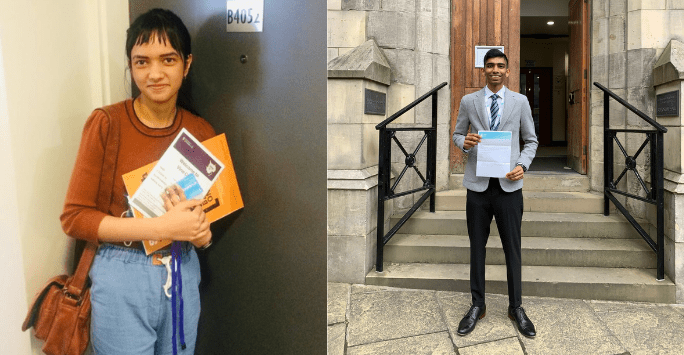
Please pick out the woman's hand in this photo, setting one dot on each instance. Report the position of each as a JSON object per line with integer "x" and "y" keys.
{"x": 172, "y": 196}
{"x": 185, "y": 219}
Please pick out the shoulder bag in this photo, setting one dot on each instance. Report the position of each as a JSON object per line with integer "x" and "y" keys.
{"x": 60, "y": 312}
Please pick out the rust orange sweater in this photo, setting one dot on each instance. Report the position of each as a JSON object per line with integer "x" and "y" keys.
{"x": 139, "y": 145}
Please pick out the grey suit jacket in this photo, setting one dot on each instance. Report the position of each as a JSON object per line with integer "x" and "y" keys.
{"x": 516, "y": 117}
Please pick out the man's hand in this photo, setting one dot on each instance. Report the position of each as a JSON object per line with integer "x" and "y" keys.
{"x": 471, "y": 140}
{"x": 516, "y": 174}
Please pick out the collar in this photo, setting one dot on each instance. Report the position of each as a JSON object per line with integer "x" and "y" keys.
{"x": 153, "y": 132}
{"x": 489, "y": 92}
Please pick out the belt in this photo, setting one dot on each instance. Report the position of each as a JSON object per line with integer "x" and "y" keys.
{"x": 157, "y": 258}
{"x": 136, "y": 245}
{"x": 131, "y": 245}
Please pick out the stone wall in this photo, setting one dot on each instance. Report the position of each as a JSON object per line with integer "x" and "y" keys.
{"x": 668, "y": 77}
{"x": 353, "y": 161}
{"x": 414, "y": 36}
{"x": 627, "y": 38}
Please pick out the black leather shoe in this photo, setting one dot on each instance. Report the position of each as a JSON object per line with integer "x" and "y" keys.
{"x": 468, "y": 322}
{"x": 524, "y": 324}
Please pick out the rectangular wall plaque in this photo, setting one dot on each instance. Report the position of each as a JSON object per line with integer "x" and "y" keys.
{"x": 245, "y": 16}
{"x": 480, "y": 52}
{"x": 667, "y": 104}
{"x": 374, "y": 103}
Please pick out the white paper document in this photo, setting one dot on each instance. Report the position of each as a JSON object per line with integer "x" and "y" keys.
{"x": 186, "y": 163}
{"x": 494, "y": 154}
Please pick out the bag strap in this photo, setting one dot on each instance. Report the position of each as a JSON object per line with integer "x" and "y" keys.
{"x": 104, "y": 199}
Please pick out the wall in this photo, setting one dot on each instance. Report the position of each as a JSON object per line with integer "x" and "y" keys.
{"x": 414, "y": 36}
{"x": 11, "y": 259}
{"x": 353, "y": 170}
{"x": 59, "y": 60}
{"x": 544, "y": 8}
{"x": 627, "y": 37}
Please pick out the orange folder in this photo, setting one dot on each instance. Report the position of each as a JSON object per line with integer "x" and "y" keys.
{"x": 222, "y": 199}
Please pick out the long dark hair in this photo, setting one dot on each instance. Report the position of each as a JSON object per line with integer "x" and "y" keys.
{"x": 165, "y": 26}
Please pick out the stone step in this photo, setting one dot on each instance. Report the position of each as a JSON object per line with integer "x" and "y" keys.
{"x": 617, "y": 284}
{"x": 540, "y": 181}
{"x": 534, "y": 224}
{"x": 540, "y": 251}
{"x": 533, "y": 201}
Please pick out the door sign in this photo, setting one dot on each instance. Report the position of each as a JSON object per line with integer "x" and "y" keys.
{"x": 667, "y": 104}
{"x": 245, "y": 16}
{"x": 480, "y": 52}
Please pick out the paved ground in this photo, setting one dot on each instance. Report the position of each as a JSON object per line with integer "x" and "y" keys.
{"x": 366, "y": 320}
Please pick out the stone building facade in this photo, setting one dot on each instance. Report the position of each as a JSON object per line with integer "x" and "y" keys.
{"x": 412, "y": 36}
{"x": 635, "y": 50}
{"x": 628, "y": 39}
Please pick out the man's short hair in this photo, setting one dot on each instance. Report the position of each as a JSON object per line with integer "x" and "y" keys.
{"x": 495, "y": 53}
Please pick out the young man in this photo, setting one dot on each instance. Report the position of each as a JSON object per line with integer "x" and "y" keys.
{"x": 495, "y": 108}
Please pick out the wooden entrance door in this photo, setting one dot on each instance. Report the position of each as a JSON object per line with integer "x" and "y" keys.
{"x": 577, "y": 86}
{"x": 535, "y": 83}
{"x": 480, "y": 23}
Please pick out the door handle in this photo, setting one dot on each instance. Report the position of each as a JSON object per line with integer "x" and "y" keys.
{"x": 571, "y": 98}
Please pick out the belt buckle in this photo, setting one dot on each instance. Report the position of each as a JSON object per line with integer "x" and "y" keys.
{"x": 156, "y": 259}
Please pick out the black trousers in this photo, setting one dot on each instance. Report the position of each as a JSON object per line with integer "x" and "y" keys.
{"x": 507, "y": 208}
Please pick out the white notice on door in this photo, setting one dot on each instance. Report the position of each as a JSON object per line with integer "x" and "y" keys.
{"x": 245, "y": 16}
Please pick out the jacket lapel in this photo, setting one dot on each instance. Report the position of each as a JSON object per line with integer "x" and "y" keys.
{"x": 509, "y": 103}
{"x": 479, "y": 106}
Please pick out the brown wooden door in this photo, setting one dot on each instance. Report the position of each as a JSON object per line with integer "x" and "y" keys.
{"x": 535, "y": 83}
{"x": 577, "y": 86}
{"x": 480, "y": 23}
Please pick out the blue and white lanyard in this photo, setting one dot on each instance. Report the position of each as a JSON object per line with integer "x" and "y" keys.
{"x": 177, "y": 292}
{"x": 174, "y": 281}
{"x": 173, "y": 267}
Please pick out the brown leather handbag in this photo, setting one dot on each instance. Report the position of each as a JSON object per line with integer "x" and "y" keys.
{"x": 60, "y": 312}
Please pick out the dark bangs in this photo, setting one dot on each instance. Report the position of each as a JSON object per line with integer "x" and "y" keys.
{"x": 162, "y": 24}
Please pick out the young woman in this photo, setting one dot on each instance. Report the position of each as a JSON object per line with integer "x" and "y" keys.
{"x": 131, "y": 313}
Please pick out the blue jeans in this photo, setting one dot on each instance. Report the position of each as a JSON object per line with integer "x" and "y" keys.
{"x": 131, "y": 314}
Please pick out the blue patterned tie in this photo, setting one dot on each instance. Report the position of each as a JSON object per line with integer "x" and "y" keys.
{"x": 494, "y": 108}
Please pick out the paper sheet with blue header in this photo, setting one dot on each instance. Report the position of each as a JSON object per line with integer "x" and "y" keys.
{"x": 494, "y": 154}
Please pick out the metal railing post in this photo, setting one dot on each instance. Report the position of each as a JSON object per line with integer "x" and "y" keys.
{"x": 607, "y": 153}
{"x": 655, "y": 195}
{"x": 385, "y": 192}
{"x": 432, "y": 151}
{"x": 654, "y": 150}
{"x": 660, "y": 203}
{"x": 383, "y": 162}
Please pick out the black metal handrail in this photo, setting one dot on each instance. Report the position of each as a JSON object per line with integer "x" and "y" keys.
{"x": 654, "y": 137}
{"x": 385, "y": 192}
